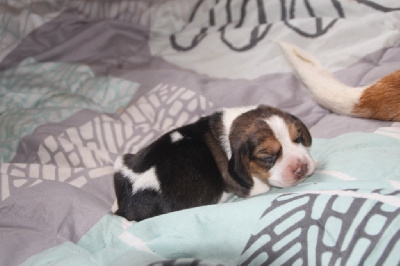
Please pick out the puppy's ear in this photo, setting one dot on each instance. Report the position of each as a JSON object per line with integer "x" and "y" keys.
{"x": 306, "y": 136}
{"x": 238, "y": 167}
{"x": 216, "y": 127}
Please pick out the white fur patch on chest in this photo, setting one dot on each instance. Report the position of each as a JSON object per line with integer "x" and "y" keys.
{"x": 259, "y": 187}
{"x": 225, "y": 197}
{"x": 140, "y": 181}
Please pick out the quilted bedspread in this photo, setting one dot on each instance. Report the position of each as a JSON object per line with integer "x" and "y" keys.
{"x": 82, "y": 82}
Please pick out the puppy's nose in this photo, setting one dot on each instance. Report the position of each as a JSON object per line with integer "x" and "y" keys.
{"x": 301, "y": 170}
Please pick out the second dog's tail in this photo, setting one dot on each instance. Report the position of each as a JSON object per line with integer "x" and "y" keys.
{"x": 380, "y": 100}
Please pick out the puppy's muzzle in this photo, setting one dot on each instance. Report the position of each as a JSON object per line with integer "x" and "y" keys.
{"x": 300, "y": 170}
{"x": 297, "y": 172}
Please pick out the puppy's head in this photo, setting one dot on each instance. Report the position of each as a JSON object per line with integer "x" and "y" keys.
{"x": 268, "y": 144}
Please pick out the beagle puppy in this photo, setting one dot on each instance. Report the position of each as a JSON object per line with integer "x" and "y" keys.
{"x": 242, "y": 151}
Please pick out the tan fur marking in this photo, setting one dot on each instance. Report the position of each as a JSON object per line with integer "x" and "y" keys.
{"x": 257, "y": 171}
{"x": 381, "y": 100}
{"x": 268, "y": 147}
{"x": 293, "y": 132}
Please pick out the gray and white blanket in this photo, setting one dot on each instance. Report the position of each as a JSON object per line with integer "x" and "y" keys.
{"x": 82, "y": 82}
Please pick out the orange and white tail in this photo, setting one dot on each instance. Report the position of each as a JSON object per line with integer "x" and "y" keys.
{"x": 380, "y": 100}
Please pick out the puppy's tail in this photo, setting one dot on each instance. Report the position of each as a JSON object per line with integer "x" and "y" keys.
{"x": 380, "y": 100}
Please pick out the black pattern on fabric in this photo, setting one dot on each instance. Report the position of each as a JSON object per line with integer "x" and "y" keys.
{"x": 260, "y": 31}
{"x": 356, "y": 223}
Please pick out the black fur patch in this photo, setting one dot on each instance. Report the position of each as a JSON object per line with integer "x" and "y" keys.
{"x": 186, "y": 170}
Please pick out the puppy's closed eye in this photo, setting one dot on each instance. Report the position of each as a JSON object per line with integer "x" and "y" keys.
{"x": 268, "y": 159}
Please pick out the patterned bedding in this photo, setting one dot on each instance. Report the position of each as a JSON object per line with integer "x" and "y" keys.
{"x": 82, "y": 82}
